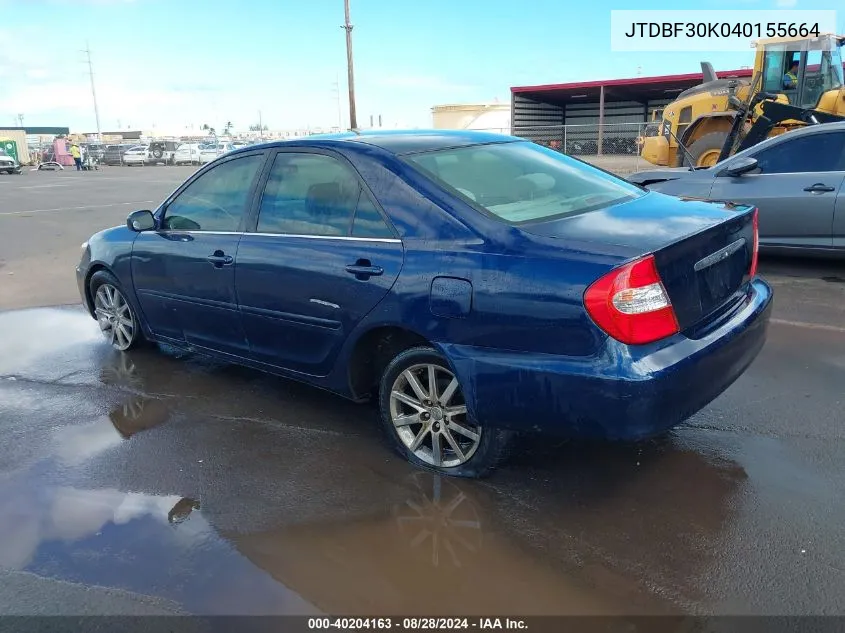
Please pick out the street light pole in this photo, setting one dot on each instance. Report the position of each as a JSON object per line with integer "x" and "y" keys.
{"x": 353, "y": 119}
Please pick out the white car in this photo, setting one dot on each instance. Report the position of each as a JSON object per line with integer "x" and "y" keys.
{"x": 212, "y": 151}
{"x": 137, "y": 155}
{"x": 187, "y": 154}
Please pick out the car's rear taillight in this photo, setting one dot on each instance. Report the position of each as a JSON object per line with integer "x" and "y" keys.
{"x": 756, "y": 247}
{"x": 631, "y": 304}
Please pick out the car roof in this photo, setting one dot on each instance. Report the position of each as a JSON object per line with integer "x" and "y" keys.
{"x": 397, "y": 141}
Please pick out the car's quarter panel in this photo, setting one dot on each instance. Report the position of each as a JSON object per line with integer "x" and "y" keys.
{"x": 530, "y": 304}
{"x": 298, "y": 300}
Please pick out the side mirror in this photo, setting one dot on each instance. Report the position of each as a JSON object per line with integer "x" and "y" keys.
{"x": 140, "y": 221}
{"x": 739, "y": 167}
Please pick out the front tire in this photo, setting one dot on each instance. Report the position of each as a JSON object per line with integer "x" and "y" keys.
{"x": 705, "y": 151}
{"x": 425, "y": 417}
{"x": 115, "y": 315}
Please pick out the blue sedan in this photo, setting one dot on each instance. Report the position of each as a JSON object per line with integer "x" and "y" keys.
{"x": 473, "y": 285}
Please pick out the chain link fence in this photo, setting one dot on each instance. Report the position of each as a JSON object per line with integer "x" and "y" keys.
{"x": 611, "y": 146}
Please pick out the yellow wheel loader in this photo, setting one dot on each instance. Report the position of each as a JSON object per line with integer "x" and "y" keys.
{"x": 709, "y": 122}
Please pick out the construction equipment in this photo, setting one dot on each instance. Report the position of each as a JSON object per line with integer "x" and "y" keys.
{"x": 711, "y": 121}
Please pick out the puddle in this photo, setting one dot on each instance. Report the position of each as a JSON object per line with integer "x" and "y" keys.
{"x": 148, "y": 544}
{"x": 229, "y": 491}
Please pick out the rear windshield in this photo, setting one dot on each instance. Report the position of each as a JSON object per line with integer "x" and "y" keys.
{"x": 522, "y": 181}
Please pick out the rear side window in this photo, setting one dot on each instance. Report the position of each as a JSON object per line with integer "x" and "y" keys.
{"x": 313, "y": 194}
{"x": 308, "y": 194}
{"x": 811, "y": 153}
{"x": 523, "y": 182}
{"x": 368, "y": 221}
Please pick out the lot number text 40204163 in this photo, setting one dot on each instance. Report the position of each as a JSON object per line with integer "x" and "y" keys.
{"x": 416, "y": 624}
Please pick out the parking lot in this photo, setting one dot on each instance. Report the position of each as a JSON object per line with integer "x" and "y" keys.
{"x": 157, "y": 482}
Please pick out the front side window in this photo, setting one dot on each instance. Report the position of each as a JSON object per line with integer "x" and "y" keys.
{"x": 216, "y": 200}
{"x": 308, "y": 194}
{"x": 811, "y": 153}
{"x": 523, "y": 182}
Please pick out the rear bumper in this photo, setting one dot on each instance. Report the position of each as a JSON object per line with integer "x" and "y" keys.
{"x": 626, "y": 393}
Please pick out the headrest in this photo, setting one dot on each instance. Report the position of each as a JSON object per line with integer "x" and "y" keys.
{"x": 322, "y": 193}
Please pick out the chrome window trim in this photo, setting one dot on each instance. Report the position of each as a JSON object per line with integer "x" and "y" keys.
{"x": 387, "y": 240}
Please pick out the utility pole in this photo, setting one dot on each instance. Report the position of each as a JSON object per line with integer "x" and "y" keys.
{"x": 20, "y": 119}
{"x": 260, "y": 126}
{"x": 87, "y": 52}
{"x": 353, "y": 119}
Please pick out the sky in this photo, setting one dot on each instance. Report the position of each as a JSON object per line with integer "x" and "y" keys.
{"x": 179, "y": 64}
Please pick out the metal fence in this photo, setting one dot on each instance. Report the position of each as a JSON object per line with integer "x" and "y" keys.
{"x": 612, "y": 146}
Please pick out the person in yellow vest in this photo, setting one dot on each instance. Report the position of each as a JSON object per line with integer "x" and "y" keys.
{"x": 77, "y": 156}
{"x": 790, "y": 79}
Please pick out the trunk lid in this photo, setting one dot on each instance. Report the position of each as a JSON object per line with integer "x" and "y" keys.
{"x": 703, "y": 250}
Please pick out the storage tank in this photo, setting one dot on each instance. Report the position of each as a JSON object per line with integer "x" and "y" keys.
{"x": 493, "y": 117}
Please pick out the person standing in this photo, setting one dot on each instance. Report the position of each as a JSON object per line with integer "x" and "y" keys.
{"x": 77, "y": 156}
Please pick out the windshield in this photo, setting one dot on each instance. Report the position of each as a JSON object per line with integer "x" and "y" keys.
{"x": 523, "y": 182}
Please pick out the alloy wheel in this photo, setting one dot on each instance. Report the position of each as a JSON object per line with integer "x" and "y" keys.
{"x": 429, "y": 414}
{"x": 114, "y": 316}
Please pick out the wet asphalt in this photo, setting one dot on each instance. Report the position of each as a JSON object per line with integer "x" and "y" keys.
{"x": 161, "y": 482}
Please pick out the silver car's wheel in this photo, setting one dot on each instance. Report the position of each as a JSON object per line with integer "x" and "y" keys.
{"x": 429, "y": 415}
{"x": 115, "y": 317}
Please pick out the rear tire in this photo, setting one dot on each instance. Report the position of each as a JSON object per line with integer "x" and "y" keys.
{"x": 704, "y": 148}
{"x": 432, "y": 428}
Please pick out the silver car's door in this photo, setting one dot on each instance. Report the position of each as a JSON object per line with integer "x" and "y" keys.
{"x": 795, "y": 189}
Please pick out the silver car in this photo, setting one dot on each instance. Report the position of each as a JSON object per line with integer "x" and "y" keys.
{"x": 796, "y": 180}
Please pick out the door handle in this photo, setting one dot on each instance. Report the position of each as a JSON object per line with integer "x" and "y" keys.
{"x": 819, "y": 187}
{"x": 363, "y": 269}
{"x": 220, "y": 259}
